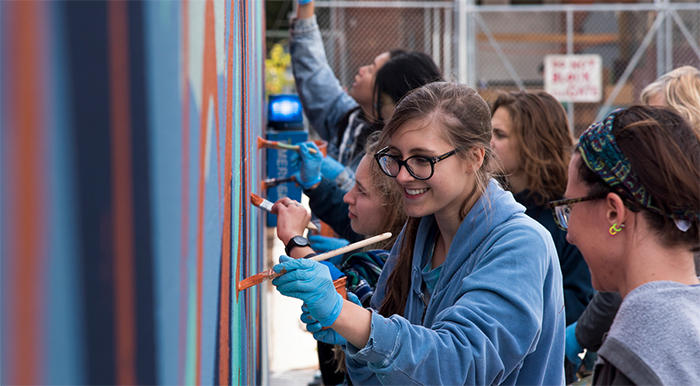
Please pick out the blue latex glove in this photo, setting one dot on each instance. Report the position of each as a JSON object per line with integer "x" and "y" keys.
{"x": 573, "y": 347}
{"x": 309, "y": 173}
{"x": 311, "y": 282}
{"x": 324, "y": 244}
{"x": 302, "y": 2}
{"x": 331, "y": 168}
{"x": 329, "y": 335}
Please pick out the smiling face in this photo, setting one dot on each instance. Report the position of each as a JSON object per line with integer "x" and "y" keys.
{"x": 453, "y": 178}
{"x": 589, "y": 232}
{"x": 363, "y": 87}
{"x": 365, "y": 210}
{"x": 504, "y": 142}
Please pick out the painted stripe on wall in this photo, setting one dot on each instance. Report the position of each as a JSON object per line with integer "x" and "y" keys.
{"x": 27, "y": 240}
{"x": 224, "y": 364}
{"x": 122, "y": 203}
{"x": 143, "y": 235}
{"x": 184, "y": 234}
{"x": 87, "y": 32}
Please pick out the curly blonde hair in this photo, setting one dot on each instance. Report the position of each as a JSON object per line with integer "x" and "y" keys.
{"x": 681, "y": 90}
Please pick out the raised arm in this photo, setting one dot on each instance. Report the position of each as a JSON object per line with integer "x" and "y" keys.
{"x": 324, "y": 100}
{"x": 305, "y": 9}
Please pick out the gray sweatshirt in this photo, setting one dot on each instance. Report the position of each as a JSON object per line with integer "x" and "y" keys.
{"x": 655, "y": 338}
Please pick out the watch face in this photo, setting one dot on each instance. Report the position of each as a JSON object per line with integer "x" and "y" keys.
{"x": 300, "y": 241}
{"x": 296, "y": 241}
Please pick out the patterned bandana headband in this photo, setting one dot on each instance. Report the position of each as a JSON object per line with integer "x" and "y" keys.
{"x": 601, "y": 154}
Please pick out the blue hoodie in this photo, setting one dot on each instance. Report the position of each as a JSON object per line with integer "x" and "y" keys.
{"x": 496, "y": 315}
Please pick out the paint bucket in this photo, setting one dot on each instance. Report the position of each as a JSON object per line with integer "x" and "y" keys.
{"x": 322, "y": 145}
{"x": 340, "y": 287}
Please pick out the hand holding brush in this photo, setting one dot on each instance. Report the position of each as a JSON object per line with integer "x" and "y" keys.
{"x": 271, "y": 274}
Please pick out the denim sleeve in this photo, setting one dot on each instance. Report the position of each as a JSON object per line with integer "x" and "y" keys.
{"x": 578, "y": 290}
{"x": 365, "y": 365}
{"x": 322, "y": 97}
{"x": 482, "y": 337}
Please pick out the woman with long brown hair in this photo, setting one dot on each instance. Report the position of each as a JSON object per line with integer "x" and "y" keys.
{"x": 472, "y": 291}
{"x": 532, "y": 141}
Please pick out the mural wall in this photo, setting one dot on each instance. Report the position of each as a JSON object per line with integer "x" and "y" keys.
{"x": 127, "y": 159}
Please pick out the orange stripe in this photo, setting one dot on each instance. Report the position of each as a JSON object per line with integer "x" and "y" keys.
{"x": 184, "y": 229}
{"x": 122, "y": 201}
{"x": 239, "y": 261}
{"x": 245, "y": 184}
{"x": 28, "y": 248}
{"x": 225, "y": 305}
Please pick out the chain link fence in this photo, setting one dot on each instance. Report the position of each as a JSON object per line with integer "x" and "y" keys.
{"x": 356, "y": 32}
{"x": 502, "y": 48}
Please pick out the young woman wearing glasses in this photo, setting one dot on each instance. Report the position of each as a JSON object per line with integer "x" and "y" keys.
{"x": 472, "y": 290}
{"x": 631, "y": 207}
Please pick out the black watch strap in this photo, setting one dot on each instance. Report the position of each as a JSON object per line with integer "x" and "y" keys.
{"x": 296, "y": 241}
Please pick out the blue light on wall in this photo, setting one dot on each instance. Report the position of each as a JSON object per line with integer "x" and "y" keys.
{"x": 284, "y": 112}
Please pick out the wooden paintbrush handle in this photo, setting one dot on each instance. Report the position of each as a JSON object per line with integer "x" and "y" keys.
{"x": 270, "y": 274}
{"x": 352, "y": 247}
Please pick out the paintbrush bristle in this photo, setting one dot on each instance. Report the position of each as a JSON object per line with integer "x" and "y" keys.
{"x": 255, "y": 199}
{"x": 257, "y": 279}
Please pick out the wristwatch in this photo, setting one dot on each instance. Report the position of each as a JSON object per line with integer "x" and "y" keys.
{"x": 296, "y": 241}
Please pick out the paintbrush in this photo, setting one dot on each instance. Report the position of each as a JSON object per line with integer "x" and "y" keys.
{"x": 279, "y": 145}
{"x": 267, "y": 206}
{"x": 270, "y": 274}
{"x": 272, "y": 182}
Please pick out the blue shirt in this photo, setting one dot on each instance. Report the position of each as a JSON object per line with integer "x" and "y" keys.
{"x": 578, "y": 289}
{"x": 496, "y": 316}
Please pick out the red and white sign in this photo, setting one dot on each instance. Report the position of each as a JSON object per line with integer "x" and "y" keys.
{"x": 574, "y": 78}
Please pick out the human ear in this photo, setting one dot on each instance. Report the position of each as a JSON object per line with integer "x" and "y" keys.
{"x": 616, "y": 211}
{"x": 476, "y": 158}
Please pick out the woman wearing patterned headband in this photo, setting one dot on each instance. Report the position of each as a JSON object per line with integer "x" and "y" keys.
{"x": 679, "y": 89}
{"x": 631, "y": 207}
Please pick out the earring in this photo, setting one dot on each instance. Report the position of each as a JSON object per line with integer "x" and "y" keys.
{"x": 614, "y": 229}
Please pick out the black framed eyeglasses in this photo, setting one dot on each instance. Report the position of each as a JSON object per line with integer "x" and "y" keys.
{"x": 562, "y": 208}
{"x": 418, "y": 166}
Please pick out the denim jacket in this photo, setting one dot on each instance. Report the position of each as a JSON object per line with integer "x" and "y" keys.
{"x": 578, "y": 290}
{"x": 496, "y": 315}
{"x": 327, "y": 106}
